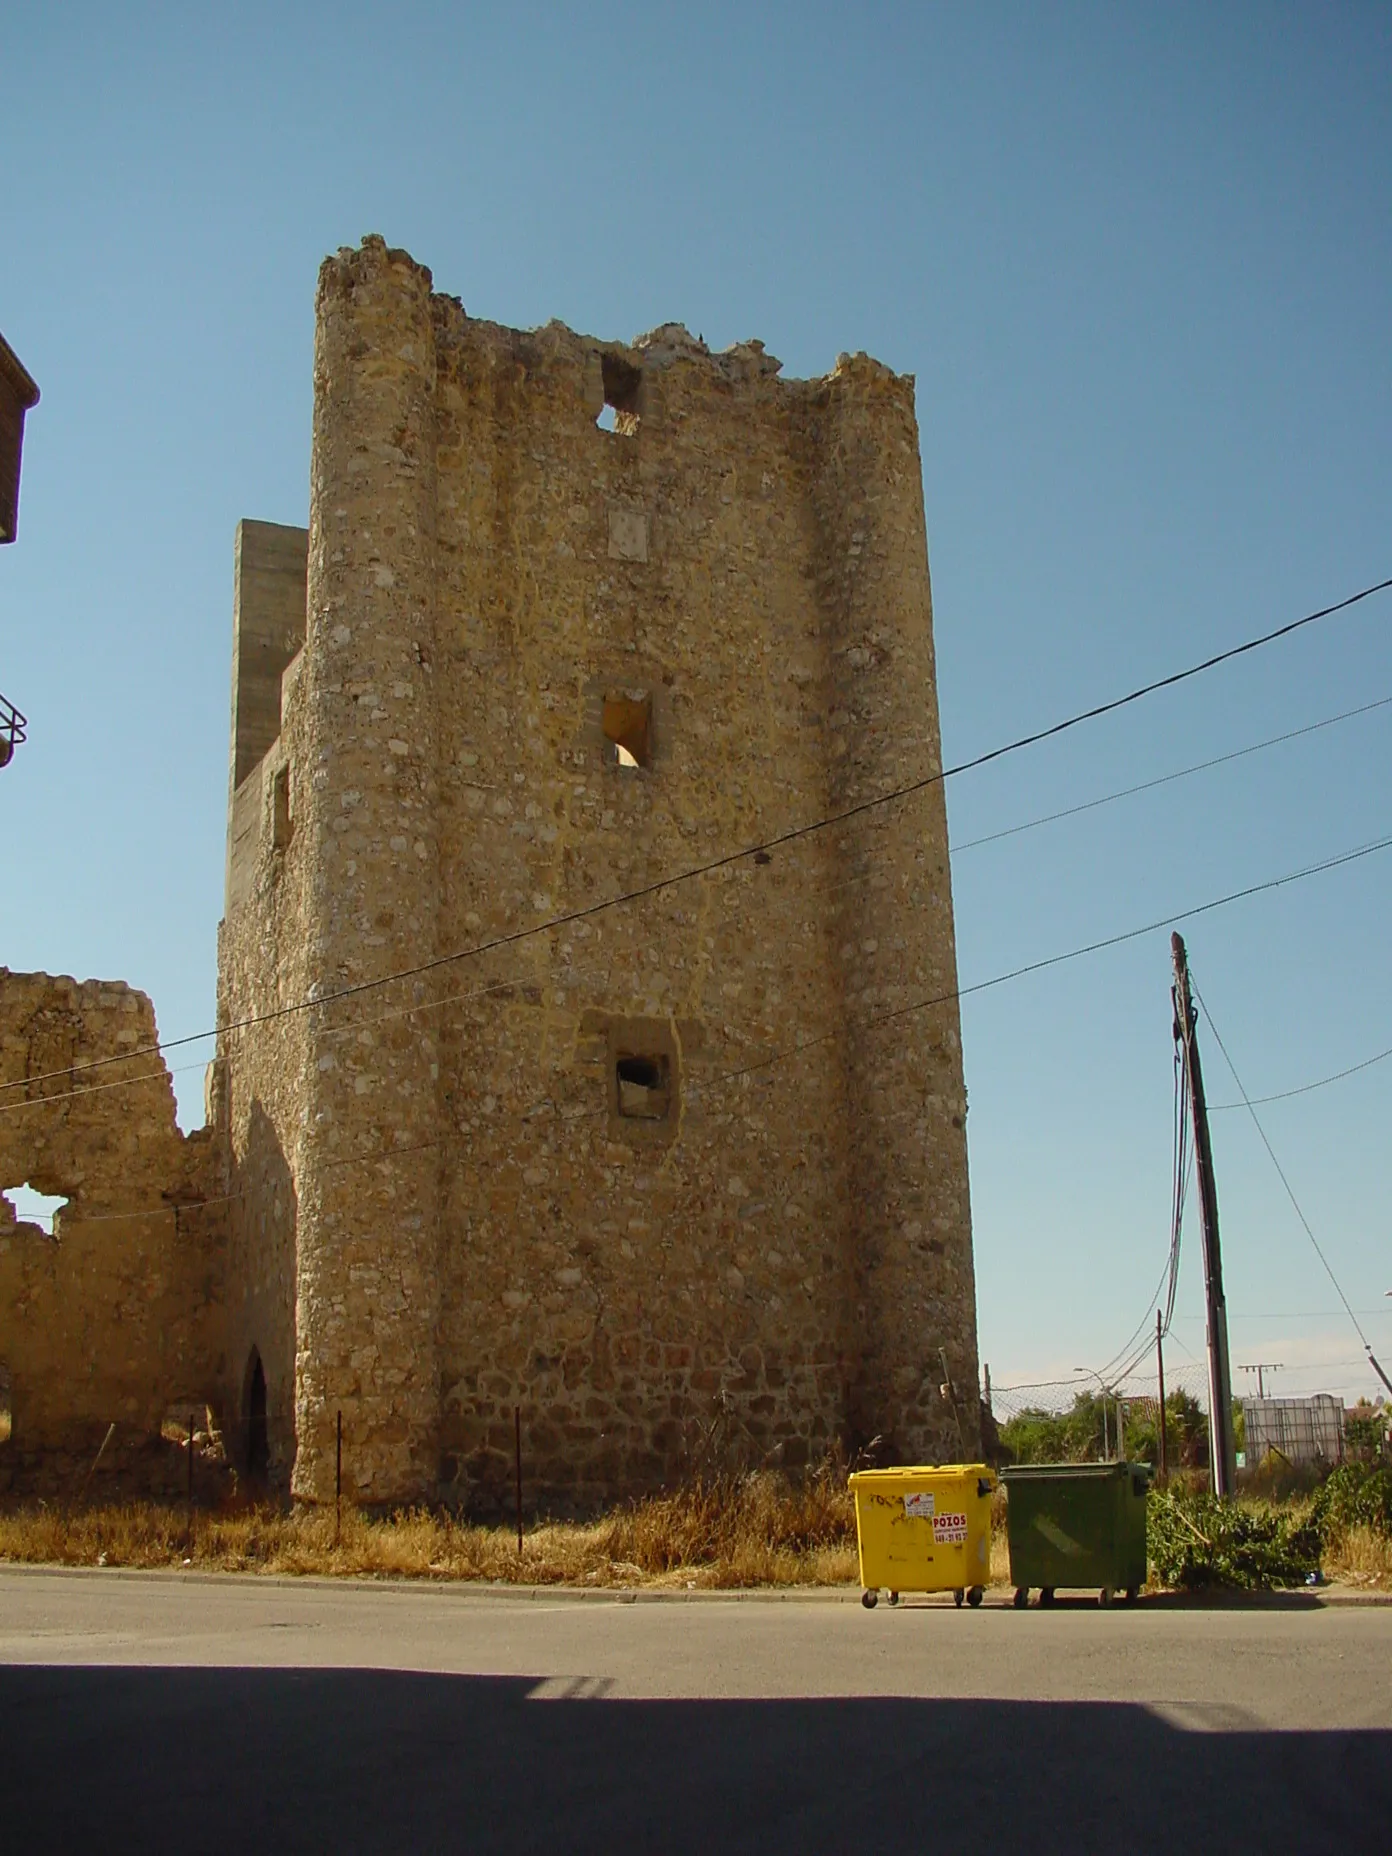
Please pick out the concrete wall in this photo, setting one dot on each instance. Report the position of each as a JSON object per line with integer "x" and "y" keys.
{"x": 114, "y": 1317}
{"x": 770, "y": 1259}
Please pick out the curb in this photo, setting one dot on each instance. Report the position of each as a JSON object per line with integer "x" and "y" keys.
{"x": 1303, "y": 1598}
{"x": 442, "y": 1586}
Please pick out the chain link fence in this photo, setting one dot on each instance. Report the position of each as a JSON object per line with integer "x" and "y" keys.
{"x": 1088, "y": 1419}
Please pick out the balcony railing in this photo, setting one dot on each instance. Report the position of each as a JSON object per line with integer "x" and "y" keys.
{"x": 12, "y": 728}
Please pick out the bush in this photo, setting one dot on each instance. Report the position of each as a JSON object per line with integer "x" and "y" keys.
{"x": 1035, "y": 1435}
{"x": 1365, "y": 1430}
{"x": 1196, "y": 1540}
{"x": 1355, "y": 1495}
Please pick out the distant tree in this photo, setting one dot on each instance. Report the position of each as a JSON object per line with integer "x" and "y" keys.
{"x": 1075, "y": 1436}
{"x": 1186, "y": 1432}
{"x": 1365, "y": 1430}
{"x": 1188, "y": 1424}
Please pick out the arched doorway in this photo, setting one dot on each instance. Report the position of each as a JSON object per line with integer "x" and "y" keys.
{"x": 258, "y": 1448}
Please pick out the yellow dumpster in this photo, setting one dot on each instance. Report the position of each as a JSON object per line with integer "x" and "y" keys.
{"x": 924, "y": 1530}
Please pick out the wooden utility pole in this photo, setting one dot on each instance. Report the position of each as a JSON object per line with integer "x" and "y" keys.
{"x": 1221, "y": 1452}
{"x": 1160, "y": 1371}
{"x": 1261, "y": 1368}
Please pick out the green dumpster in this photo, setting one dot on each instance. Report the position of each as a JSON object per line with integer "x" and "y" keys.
{"x": 1077, "y": 1524}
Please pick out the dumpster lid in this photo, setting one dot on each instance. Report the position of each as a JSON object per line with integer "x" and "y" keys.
{"x": 919, "y": 1470}
{"x": 1046, "y": 1472}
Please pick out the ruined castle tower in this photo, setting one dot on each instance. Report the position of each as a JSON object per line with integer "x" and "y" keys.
{"x": 572, "y": 618}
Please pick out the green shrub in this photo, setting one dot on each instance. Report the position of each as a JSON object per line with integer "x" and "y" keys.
{"x": 1196, "y": 1540}
{"x": 1365, "y": 1430}
{"x": 1355, "y": 1495}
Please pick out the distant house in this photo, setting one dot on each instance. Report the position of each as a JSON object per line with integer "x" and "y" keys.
{"x": 17, "y": 394}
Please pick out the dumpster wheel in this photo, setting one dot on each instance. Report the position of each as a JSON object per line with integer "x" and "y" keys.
{"x": 1133, "y": 1592}
{"x": 1104, "y": 1597}
{"x": 894, "y": 1598}
{"x": 1046, "y": 1595}
{"x": 869, "y": 1600}
{"x": 1021, "y": 1597}
{"x": 958, "y": 1595}
{"x": 975, "y": 1595}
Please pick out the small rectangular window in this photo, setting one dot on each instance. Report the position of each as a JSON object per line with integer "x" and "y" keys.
{"x": 627, "y": 725}
{"x": 644, "y": 1087}
{"x": 622, "y": 385}
{"x": 281, "y": 826}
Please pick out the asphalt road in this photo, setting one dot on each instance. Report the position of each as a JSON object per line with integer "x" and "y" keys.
{"x": 159, "y": 1712}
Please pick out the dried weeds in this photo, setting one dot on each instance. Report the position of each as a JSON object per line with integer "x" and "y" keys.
{"x": 755, "y": 1530}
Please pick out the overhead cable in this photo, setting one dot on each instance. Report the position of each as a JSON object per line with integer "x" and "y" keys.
{"x": 760, "y": 849}
{"x": 1285, "y": 1095}
{"x": 874, "y": 1020}
{"x": 854, "y": 1027}
{"x": 1077, "y": 953}
{"x": 1167, "y": 779}
{"x": 1281, "y": 1173}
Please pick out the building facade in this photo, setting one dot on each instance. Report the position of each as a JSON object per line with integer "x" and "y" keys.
{"x": 561, "y": 1070}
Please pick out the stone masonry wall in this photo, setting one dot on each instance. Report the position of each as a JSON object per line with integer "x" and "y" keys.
{"x": 671, "y": 1177}
{"x": 115, "y": 1316}
{"x": 649, "y": 1293}
{"x": 258, "y": 1081}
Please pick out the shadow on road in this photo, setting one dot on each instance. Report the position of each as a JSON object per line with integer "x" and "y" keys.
{"x": 279, "y": 1760}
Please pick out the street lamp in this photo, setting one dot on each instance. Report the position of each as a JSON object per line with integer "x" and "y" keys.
{"x": 1105, "y": 1390}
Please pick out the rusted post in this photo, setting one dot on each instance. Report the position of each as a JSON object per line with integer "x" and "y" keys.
{"x": 517, "y": 1460}
{"x": 86, "y": 1481}
{"x": 338, "y": 1479}
{"x": 190, "y": 1485}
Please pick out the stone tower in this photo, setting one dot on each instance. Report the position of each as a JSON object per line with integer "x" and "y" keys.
{"x": 677, "y": 1176}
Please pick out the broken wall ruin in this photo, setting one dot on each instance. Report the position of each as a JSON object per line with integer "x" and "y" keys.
{"x": 669, "y": 1177}
{"x": 113, "y": 1316}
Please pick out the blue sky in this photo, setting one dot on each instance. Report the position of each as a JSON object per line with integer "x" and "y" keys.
{"x": 1140, "y": 261}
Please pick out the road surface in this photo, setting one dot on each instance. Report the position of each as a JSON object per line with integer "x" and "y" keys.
{"x": 156, "y": 1712}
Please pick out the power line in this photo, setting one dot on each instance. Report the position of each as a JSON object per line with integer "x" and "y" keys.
{"x": 874, "y": 1020}
{"x": 1149, "y": 689}
{"x": 1182, "y": 1171}
{"x": 1285, "y": 1094}
{"x": 856, "y": 1026}
{"x": 781, "y": 839}
{"x": 1294, "y": 1314}
{"x": 1167, "y": 779}
{"x": 1280, "y": 1170}
{"x": 1077, "y": 953}
{"x": 354, "y": 1027}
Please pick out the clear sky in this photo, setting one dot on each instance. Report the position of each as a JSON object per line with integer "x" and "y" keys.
{"x": 1140, "y": 261}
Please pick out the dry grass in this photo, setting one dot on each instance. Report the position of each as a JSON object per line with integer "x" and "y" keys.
{"x": 1360, "y": 1556}
{"x": 734, "y": 1532}
{"x": 758, "y": 1530}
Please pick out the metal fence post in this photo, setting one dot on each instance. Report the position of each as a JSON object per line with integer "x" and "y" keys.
{"x": 517, "y": 1454}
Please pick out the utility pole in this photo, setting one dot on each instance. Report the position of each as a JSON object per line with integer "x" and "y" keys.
{"x": 1261, "y": 1367}
{"x": 1160, "y": 1372}
{"x": 1222, "y": 1456}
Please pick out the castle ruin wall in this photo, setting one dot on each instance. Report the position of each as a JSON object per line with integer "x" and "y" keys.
{"x": 674, "y": 1177}
{"x": 112, "y": 1318}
